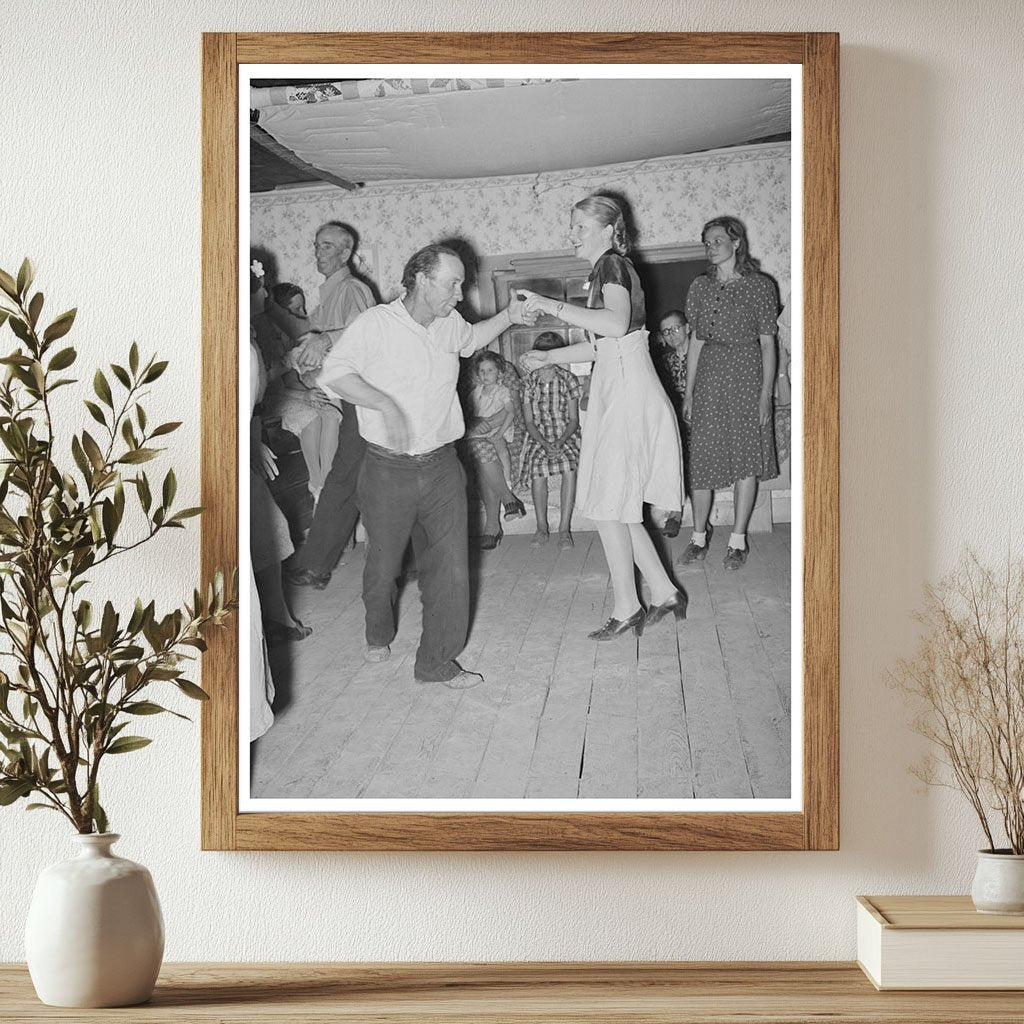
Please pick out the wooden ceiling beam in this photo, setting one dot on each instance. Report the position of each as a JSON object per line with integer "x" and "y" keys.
{"x": 266, "y": 141}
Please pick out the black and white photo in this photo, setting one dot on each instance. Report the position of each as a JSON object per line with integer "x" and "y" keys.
{"x": 524, "y": 505}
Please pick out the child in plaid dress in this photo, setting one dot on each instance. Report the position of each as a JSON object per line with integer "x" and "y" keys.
{"x": 551, "y": 400}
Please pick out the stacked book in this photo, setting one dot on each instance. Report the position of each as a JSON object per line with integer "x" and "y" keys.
{"x": 937, "y": 942}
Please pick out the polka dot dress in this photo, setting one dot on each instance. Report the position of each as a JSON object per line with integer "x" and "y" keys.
{"x": 727, "y": 441}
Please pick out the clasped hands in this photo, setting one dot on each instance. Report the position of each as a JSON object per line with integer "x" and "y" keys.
{"x": 310, "y": 351}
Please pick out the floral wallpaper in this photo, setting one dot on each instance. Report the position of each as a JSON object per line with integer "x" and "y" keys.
{"x": 671, "y": 198}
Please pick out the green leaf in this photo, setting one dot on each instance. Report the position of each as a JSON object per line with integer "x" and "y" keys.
{"x": 128, "y": 433}
{"x": 63, "y": 359}
{"x": 26, "y": 274}
{"x": 126, "y": 744}
{"x": 92, "y": 449}
{"x": 35, "y": 308}
{"x": 144, "y": 707}
{"x": 165, "y": 428}
{"x": 83, "y": 613}
{"x": 108, "y": 626}
{"x": 121, "y": 374}
{"x": 185, "y": 513}
{"x": 8, "y": 285}
{"x": 60, "y": 326}
{"x": 154, "y": 372}
{"x": 139, "y": 455}
{"x": 20, "y": 328}
{"x": 42, "y": 807}
{"x": 80, "y": 459}
{"x": 4, "y": 314}
{"x": 95, "y": 412}
{"x": 145, "y": 497}
{"x": 99, "y": 817}
{"x": 191, "y": 690}
{"x": 133, "y": 358}
{"x": 102, "y": 388}
{"x": 170, "y": 488}
{"x": 140, "y": 415}
{"x": 109, "y": 518}
{"x": 14, "y": 790}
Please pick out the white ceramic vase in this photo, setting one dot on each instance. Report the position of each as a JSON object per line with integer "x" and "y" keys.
{"x": 95, "y": 934}
{"x": 999, "y": 883}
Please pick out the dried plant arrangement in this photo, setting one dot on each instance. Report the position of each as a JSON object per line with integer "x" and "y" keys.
{"x": 75, "y": 673}
{"x": 967, "y": 682}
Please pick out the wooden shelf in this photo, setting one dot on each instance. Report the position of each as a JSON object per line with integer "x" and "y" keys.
{"x": 658, "y": 993}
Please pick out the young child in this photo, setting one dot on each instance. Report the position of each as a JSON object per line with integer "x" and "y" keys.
{"x": 551, "y": 409}
{"x": 491, "y": 409}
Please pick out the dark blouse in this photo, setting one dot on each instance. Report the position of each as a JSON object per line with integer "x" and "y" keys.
{"x": 611, "y": 268}
{"x": 734, "y": 313}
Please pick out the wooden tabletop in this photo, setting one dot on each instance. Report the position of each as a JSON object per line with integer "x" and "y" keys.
{"x": 659, "y": 993}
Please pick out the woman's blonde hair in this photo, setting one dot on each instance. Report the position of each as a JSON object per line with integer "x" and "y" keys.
{"x": 606, "y": 210}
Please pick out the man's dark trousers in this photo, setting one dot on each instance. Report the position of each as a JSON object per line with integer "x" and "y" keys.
{"x": 336, "y": 509}
{"x": 422, "y": 498}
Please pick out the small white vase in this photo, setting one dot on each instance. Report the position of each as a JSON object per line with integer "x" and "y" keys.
{"x": 95, "y": 934}
{"x": 999, "y": 883}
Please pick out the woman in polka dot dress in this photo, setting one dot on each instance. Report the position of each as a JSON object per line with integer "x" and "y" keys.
{"x": 732, "y": 311}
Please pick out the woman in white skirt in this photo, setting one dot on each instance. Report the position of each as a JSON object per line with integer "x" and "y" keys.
{"x": 630, "y": 452}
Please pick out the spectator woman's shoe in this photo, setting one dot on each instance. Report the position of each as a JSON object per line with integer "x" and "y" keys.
{"x": 514, "y": 509}
{"x": 734, "y": 558}
{"x": 697, "y": 552}
{"x": 616, "y": 627}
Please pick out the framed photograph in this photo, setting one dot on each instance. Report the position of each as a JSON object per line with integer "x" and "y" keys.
{"x": 509, "y": 295}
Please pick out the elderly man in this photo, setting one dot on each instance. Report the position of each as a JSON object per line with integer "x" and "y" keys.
{"x": 342, "y": 298}
{"x": 399, "y": 364}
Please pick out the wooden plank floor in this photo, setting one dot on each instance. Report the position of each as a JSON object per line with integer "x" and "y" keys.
{"x": 698, "y": 709}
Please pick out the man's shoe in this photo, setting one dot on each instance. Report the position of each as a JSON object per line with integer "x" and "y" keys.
{"x": 462, "y": 681}
{"x": 307, "y": 578}
{"x": 734, "y": 558}
{"x": 377, "y": 654}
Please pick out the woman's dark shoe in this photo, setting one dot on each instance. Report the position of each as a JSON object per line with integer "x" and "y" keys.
{"x": 676, "y": 604}
{"x": 616, "y": 627}
{"x": 514, "y": 509}
{"x": 489, "y": 541}
{"x": 672, "y": 525}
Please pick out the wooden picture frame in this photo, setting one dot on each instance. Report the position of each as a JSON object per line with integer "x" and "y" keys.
{"x": 816, "y": 826}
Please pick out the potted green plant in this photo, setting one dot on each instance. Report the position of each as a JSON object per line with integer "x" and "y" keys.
{"x": 967, "y": 682}
{"x": 75, "y": 671}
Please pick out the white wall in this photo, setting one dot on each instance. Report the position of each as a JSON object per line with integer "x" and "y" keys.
{"x": 99, "y": 181}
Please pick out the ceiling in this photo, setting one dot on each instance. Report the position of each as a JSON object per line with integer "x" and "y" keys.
{"x": 517, "y": 129}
